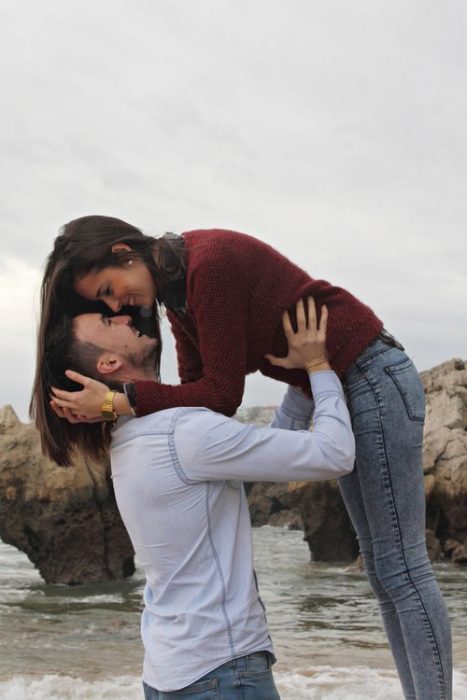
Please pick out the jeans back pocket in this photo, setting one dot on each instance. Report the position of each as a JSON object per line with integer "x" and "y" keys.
{"x": 405, "y": 377}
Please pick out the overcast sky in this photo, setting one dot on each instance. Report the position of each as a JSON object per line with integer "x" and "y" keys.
{"x": 335, "y": 131}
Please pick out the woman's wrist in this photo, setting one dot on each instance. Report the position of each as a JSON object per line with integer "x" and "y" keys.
{"x": 122, "y": 405}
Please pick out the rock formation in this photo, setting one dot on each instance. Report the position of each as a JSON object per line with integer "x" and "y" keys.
{"x": 319, "y": 508}
{"x": 67, "y": 522}
{"x": 64, "y": 519}
{"x": 445, "y": 458}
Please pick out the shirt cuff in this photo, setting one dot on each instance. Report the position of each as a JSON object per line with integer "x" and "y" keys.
{"x": 325, "y": 382}
{"x": 295, "y": 411}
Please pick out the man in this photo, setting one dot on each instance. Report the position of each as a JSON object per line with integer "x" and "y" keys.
{"x": 178, "y": 483}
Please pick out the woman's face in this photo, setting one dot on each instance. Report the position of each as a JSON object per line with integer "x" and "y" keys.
{"x": 130, "y": 285}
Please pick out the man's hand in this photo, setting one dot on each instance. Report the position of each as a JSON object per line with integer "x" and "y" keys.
{"x": 307, "y": 346}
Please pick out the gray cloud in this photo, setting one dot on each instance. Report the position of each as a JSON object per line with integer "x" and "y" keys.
{"x": 333, "y": 130}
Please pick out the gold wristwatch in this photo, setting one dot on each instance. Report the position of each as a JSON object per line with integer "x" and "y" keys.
{"x": 107, "y": 408}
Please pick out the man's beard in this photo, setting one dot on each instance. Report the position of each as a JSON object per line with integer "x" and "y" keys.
{"x": 146, "y": 360}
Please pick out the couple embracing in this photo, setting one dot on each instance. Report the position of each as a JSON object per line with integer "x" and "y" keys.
{"x": 235, "y": 305}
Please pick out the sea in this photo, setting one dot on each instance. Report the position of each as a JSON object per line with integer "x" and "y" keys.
{"x": 82, "y": 642}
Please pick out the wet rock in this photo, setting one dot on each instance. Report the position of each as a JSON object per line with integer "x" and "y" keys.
{"x": 65, "y": 519}
{"x": 459, "y": 554}
{"x": 445, "y": 454}
{"x": 433, "y": 546}
{"x": 328, "y": 529}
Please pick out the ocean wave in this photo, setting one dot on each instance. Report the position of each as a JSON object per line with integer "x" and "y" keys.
{"x": 355, "y": 683}
{"x": 321, "y": 683}
{"x": 56, "y": 687}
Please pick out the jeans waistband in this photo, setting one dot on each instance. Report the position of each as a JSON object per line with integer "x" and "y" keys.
{"x": 243, "y": 662}
{"x": 389, "y": 339}
{"x": 376, "y": 347}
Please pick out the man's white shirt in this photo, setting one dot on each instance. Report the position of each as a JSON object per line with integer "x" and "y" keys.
{"x": 178, "y": 480}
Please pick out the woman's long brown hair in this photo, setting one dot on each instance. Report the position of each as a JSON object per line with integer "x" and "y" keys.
{"x": 83, "y": 245}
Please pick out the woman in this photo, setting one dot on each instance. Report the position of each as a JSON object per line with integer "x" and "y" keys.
{"x": 217, "y": 287}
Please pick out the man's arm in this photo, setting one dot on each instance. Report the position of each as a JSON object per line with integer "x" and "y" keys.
{"x": 211, "y": 447}
{"x": 295, "y": 412}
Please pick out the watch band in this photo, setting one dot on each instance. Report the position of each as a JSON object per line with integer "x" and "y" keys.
{"x": 130, "y": 393}
{"x": 107, "y": 408}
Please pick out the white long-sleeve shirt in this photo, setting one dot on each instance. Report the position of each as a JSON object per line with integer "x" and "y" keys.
{"x": 177, "y": 476}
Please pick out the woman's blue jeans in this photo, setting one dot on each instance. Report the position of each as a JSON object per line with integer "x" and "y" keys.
{"x": 385, "y": 498}
{"x": 246, "y": 678}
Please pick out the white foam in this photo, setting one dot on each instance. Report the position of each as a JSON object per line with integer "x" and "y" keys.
{"x": 358, "y": 683}
{"x": 321, "y": 683}
{"x": 53, "y": 687}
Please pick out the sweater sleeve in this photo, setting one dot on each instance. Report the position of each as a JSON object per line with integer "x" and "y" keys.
{"x": 189, "y": 361}
{"x": 218, "y": 303}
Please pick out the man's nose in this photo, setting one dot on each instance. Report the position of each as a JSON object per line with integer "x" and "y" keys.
{"x": 122, "y": 320}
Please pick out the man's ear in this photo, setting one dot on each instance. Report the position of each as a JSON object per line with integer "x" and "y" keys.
{"x": 119, "y": 247}
{"x": 108, "y": 363}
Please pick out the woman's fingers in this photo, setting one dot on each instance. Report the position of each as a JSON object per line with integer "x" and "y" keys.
{"x": 77, "y": 377}
{"x": 70, "y": 416}
{"x": 84, "y": 404}
{"x": 62, "y": 394}
{"x": 57, "y": 409}
{"x": 64, "y": 399}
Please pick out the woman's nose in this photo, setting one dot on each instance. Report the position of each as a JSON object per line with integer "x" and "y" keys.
{"x": 113, "y": 304}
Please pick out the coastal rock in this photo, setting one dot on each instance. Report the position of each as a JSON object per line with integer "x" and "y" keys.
{"x": 65, "y": 519}
{"x": 67, "y": 522}
{"x": 328, "y": 530}
{"x": 326, "y": 525}
{"x": 274, "y": 503}
{"x": 433, "y": 546}
{"x": 445, "y": 456}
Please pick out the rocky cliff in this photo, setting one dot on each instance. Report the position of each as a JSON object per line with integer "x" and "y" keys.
{"x": 64, "y": 519}
{"x": 445, "y": 458}
{"x": 318, "y": 508}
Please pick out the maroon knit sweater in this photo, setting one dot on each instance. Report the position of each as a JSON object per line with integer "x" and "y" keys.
{"x": 237, "y": 290}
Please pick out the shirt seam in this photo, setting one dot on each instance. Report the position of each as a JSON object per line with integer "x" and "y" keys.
{"x": 173, "y": 451}
{"x": 220, "y": 575}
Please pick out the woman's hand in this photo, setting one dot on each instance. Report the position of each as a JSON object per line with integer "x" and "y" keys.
{"x": 80, "y": 406}
{"x": 307, "y": 346}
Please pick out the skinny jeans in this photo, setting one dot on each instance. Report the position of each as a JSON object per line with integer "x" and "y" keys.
{"x": 385, "y": 498}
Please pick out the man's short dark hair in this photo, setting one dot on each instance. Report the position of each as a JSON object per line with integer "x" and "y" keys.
{"x": 61, "y": 440}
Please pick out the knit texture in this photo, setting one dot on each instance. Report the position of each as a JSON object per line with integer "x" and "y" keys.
{"x": 237, "y": 290}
